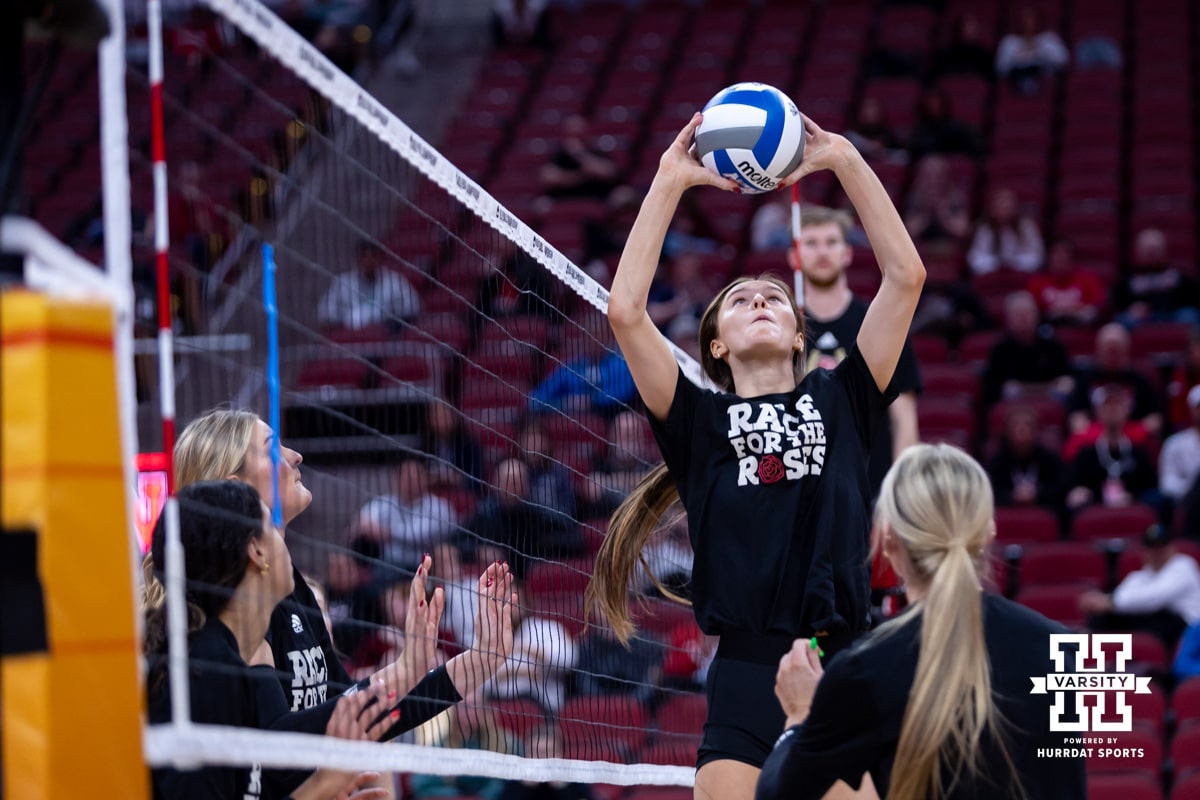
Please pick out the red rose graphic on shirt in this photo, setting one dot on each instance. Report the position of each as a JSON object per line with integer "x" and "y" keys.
{"x": 770, "y": 469}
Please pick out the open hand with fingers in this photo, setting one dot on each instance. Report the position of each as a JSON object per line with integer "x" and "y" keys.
{"x": 420, "y": 631}
{"x": 493, "y": 617}
{"x": 680, "y": 165}
{"x": 822, "y": 150}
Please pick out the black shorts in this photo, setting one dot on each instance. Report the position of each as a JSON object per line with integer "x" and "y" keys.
{"x": 744, "y": 716}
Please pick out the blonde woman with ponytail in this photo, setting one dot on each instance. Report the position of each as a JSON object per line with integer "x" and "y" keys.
{"x": 935, "y": 703}
{"x": 235, "y": 444}
{"x": 771, "y": 469}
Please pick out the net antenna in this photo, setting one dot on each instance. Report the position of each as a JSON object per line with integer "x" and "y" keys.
{"x": 799, "y": 271}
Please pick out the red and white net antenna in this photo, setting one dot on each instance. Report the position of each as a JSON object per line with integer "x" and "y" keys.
{"x": 799, "y": 264}
{"x": 173, "y": 568}
{"x": 166, "y": 344}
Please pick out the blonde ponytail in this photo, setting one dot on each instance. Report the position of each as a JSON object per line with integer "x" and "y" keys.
{"x": 621, "y": 552}
{"x": 938, "y": 502}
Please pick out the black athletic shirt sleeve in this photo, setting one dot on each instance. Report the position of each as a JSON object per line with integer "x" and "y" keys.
{"x": 837, "y": 740}
{"x": 433, "y": 695}
{"x": 867, "y": 403}
{"x": 675, "y": 434}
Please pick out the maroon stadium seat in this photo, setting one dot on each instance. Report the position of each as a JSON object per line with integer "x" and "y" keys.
{"x": 1059, "y": 603}
{"x": 1024, "y": 525}
{"x": 1098, "y": 522}
{"x": 1074, "y": 563}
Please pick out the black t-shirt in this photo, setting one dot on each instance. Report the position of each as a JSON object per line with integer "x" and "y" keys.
{"x": 854, "y": 724}
{"x": 776, "y": 493}
{"x": 225, "y": 691}
{"x": 309, "y": 670}
{"x": 826, "y": 344}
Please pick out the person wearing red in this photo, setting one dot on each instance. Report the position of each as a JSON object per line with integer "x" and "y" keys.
{"x": 1065, "y": 293}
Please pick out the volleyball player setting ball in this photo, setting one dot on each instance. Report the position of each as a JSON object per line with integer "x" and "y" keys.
{"x": 771, "y": 469}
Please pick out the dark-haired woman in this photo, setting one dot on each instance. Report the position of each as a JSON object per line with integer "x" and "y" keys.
{"x": 237, "y": 571}
{"x": 772, "y": 469}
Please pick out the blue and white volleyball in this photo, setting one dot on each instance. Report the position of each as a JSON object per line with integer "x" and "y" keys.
{"x": 753, "y": 134}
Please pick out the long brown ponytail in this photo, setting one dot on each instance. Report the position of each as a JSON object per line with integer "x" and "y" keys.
{"x": 621, "y": 552}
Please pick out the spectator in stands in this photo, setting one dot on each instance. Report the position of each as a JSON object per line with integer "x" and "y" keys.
{"x": 545, "y": 741}
{"x": 196, "y": 221}
{"x": 411, "y": 520}
{"x": 1152, "y": 290}
{"x": 937, "y": 211}
{"x": 1097, "y": 52}
{"x": 683, "y": 294}
{"x": 1028, "y": 353}
{"x": 521, "y": 23}
{"x": 1185, "y": 375}
{"x": 689, "y": 654}
{"x": 550, "y": 487}
{"x": 871, "y": 134}
{"x": 1005, "y": 238}
{"x": 950, "y": 311}
{"x": 578, "y": 168}
{"x": 1112, "y": 365}
{"x": 1162, "y": 598}
{"x": 967, "y": 52}
{"x": 771, "y": 226}
{"x": 1067, "y": 294}
{"x": 385, "y": 642}
{"x": 595, "y": 379}
{"x": 458, "y": 620}
{"x": 354, "y": 605}
{"x": 509, "y": 527}
{"x": 1114, "y": 472}
{"x": 607, "y": 667}
{"x": 1179, "y": 461}
{"x": 544, "y": 653}
{"x": 455, "y": 456}
{"x": 937, "y": 131}
{"x": 368, "y": 295}
{"x": 520, "y": 286}
{"x": 1025, "y": 57}
{"x": 1023, "y": 471}
{"x": 630, "y": 454}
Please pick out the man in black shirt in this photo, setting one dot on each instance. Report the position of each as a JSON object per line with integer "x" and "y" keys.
{"x": 832, "y": 317}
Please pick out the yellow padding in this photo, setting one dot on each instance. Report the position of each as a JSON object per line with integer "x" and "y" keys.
{"x": 71, "y": 717}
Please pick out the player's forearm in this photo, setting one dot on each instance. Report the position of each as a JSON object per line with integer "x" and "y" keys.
{"x": 894, "y": 249}
{"x": 639, "y": 260}
{"x": 903, "y": 414}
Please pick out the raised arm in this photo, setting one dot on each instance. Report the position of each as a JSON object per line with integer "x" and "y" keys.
{"x": 644, "y": 347}
{"x": 883, "y": 332}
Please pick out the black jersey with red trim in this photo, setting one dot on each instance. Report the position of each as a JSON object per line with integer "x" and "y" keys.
{"x": 777, "y": 496}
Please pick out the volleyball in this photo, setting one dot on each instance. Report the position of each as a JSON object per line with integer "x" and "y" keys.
{"x": 753, "y": 134}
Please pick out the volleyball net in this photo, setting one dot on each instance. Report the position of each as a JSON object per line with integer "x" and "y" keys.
{"x": 447, "y": 374}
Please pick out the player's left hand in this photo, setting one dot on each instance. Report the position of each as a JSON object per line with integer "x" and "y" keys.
{"x": 822, "y": 150}
{"x": 796, "y": 681}
{"x": 493, "y": 617}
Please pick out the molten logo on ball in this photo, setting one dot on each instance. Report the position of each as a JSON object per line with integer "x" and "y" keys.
{"x": 753, "y": 134}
